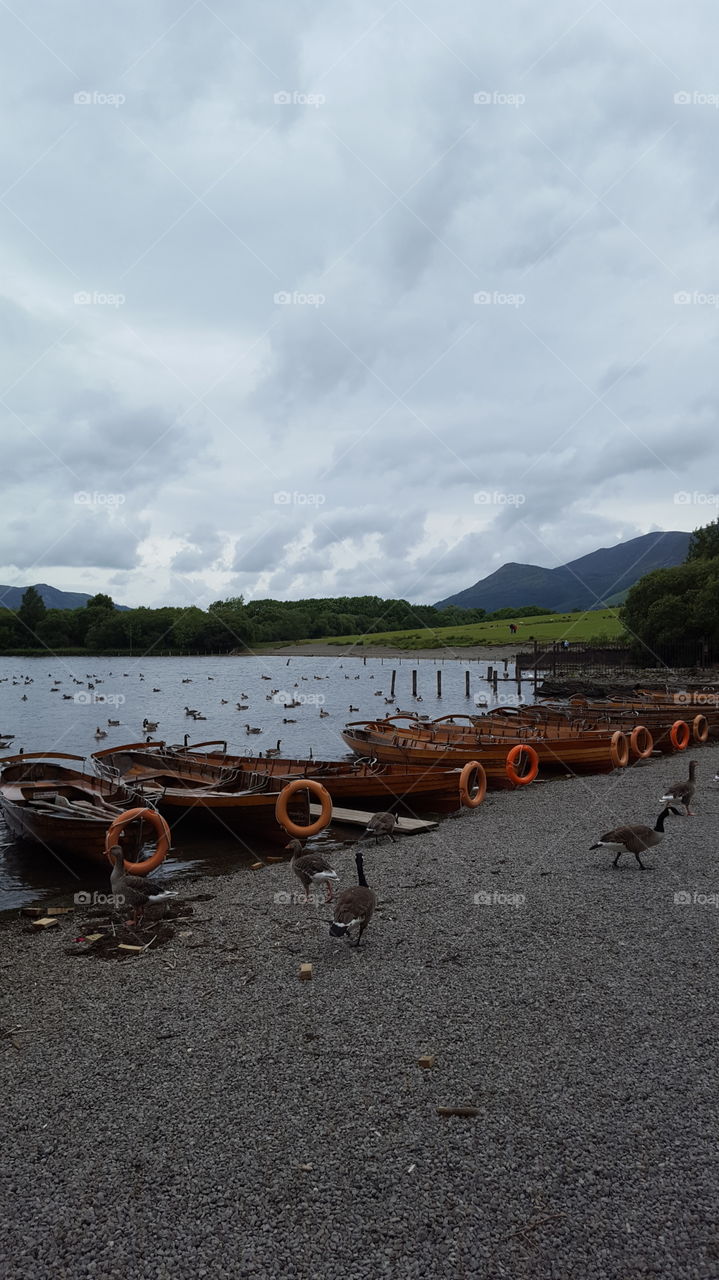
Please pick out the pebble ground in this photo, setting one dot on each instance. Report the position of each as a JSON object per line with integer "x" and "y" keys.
{"x": 199, "y": 1111}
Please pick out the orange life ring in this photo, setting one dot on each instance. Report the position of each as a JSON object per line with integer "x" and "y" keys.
{"x": 161, "y": 848}
{"x": 515, "y": 754}
{"x": 315, "y": 789}
{"x": 679, "y": 735}
{"x": 700, "y": 728}
{"x": 472, "y": 784}
{"x": 641, "y": 742}
{"x": 619, "y": 750}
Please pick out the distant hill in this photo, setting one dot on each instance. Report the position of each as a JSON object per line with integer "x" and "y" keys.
{"x": 590, "y": 582}
{"x": 11, "y": 597}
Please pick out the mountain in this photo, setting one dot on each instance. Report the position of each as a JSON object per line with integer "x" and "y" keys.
{"x": 586, "y": 583}
{"x": 11, "y": 597}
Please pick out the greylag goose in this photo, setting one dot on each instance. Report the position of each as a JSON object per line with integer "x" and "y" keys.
{"x": 682, "y": 792}
{"x": 354, "y": 906}
{"x": 311, "y": 869}
{"x": 133, "y": 891}
{"x": 635, "y": 839}
{"x": 249, "y": 729}
{"x": 379, "y": 825}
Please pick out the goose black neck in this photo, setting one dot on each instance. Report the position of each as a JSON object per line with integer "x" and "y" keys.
{"x": 659, "y": 824}
{"x": 360, "y": 869}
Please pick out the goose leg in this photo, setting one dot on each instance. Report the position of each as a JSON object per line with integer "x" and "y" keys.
{"x": 616, "y": 860}
{"x": 359, "y": 935}
{"x": 641, "y": 864}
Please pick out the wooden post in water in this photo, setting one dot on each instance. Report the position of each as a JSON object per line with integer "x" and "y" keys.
{"x": 494, "y": 682}
{"x": 391, "y": 688}
{"x": 439, "y": 682}
{"x": 489, "y": 675}
{"x": 414, "y": 683}
{"x": 466, "y": 684}
{"x": 506, "y": 668}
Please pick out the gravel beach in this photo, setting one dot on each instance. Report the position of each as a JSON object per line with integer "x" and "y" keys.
{"x": 199, "y": 1111}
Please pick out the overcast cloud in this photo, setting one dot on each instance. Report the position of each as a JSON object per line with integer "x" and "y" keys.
{"x": 241, "y": 350}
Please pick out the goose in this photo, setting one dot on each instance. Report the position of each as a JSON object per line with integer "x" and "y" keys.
{"x": 635, "y": 839}
{"x": 191, "y": 711}
{"x": 389, "y": 701}
{"x": 286, "y": 720}
{"x": 354, "y": 906}
{"x": 379, "y": 825}
{"x": 116, "y": 722}
{"x": 311, "y": 869}
{"x": 353, "y": 708}
{"x": 265, "y": 677}
{"x": 324, "y": 714}
{"x": 378, "y": 693}
{"x": 24, "y": 698}
{"x": 187, "y": 680}
{"x": 148, "y": 725}
{"x": 242, "y": 706}
{"x": 100, "y": 733}
{"x": 223, "y": 702}
{"x": 682, "y": 792}
{"x": 133, "y": 891}
{"x": 67, "y": 697}
{"x": 274, "y": 751}
{"x": 157, "y": 690}
{"x": 249, "y": 729}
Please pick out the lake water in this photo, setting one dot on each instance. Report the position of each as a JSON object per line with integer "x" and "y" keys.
{"x": 131, "y": 690}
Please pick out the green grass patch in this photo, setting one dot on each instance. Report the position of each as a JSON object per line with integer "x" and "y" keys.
{"x": 600, "y": 625}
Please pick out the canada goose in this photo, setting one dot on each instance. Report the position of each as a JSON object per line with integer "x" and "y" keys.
{"x": 223, "y": 702}
{"x": 378, "y": 693}
{"x": 324, "y": 714}
{"x": 285, "y": 720}
{"x": 354, "y": 906}
{"x": 311, "y": 869}
{"x": 249, "y": 729}
{"x": 682, "y": 792}
{"x": 379, "y": 825}
{"x": 100, "y": 733}
{"x": 242, "y": 706}
{"x": 635, "y": 839}
{"x": 265, "y": 677}
{"x": 354, "y": 708}
{"x": 133, "y": 891}
{"x": 157, "y": 690}
{"x": 274, "y": 751}
{"x": 389, "y": 701}
{"x": 67, "y": 697}
{"x": 191, "y": 711}
{"x": 148, "y": 725}
{"x": 116, "y": 722}
{"x": 187, "y": 680}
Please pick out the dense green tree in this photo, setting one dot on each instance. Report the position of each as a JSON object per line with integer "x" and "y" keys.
{"x": 704, "y": 543}
{"x": 670, "y": 606}
{"x": 31, "y": 612}
{"x": 100, "y": 601}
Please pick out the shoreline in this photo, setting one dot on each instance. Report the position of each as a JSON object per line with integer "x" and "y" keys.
{"x": 315, "y": 649}
{"x": 232, "y": 1119}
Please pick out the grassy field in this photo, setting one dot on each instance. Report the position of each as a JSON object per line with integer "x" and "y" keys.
{"x": 602, "y": 624}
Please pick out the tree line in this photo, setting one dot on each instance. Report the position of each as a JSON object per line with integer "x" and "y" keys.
{"x": 673, "y": 609}
{"x": 225, "y": 627}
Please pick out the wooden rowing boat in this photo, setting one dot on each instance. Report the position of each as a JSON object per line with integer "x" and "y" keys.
{"x": 357, "y": 781}
{"x": 217, "y": 796}
{"x": 62, "y": 808}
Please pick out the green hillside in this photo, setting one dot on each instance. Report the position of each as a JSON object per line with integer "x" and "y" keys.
{"x": 599, "y": 624}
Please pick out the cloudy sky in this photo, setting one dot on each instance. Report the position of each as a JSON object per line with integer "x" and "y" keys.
{"x": 315, "y": 299}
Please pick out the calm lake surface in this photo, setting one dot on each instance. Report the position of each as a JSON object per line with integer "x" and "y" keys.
{"x": 131, "y": 690}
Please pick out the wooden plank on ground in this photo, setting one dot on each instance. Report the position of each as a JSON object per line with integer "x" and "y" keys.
{"x": 358, "y": 818}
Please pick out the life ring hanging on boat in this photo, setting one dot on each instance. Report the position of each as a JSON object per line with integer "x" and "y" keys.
{"x": 513, "y": 756}
{"x": 316, "y": 789}
{"x": 472, "y": 785}
{"x": 700, "y": 728}
{"x": 162, "y": 845}
{"x": 641, "y": 742}
{"x": 679, "y": 735}
{"x": 619, "y": 750}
